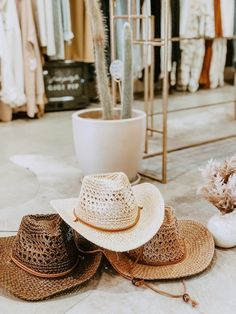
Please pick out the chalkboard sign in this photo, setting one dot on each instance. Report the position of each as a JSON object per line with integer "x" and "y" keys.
{"x": 66, "y": 85}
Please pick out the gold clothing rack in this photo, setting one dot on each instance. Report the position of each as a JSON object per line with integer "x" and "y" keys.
{"x": 149, "y": 82}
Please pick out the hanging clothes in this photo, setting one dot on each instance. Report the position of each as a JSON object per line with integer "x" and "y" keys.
{"x": 147, "y": 32}
{"x": 224, "y": 13}
{"x": 219, "y": 50}
{"x": 169, "y": 42}
{"x": 81, "y": 47}
{"x": 205, "y": 74}
{"x": 33, "y": 73}
{"x": 196, "y": 20}
{"x": 58, "y": 31}
{"x": 66, "y": 21}
{"x": 122, "y": 8}
{"x": 227, "y": 17}
{"x": 40, "y": 18}
{"x": 51, "y": 46}
{"x": 11, "y": 56}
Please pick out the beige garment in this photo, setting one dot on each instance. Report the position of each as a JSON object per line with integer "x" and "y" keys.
{"x": 81, "y": 48}
{"x": 5, "y": 112}
{"x": 33, "y": 74}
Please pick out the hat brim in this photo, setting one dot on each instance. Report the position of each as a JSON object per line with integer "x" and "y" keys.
{"x": 31, "y": 288}
{"x": 199, "y": 246}
{"x": 151, "y": 218}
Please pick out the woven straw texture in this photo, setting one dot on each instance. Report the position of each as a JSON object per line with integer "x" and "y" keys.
{"x": 44, "y": 243}
{"x": 199, "y": 251}
{"x": 107, "y": 201}
{"x": 165, "y": 248}
{"x": 151, "y": 218}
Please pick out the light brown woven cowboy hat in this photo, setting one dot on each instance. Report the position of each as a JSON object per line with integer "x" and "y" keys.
{"x": 112, "y": 214}
{"x": 179, "y": 249}
{"x": 42, "y": 260}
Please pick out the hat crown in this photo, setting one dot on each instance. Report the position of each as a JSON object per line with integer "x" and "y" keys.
{"x": 165, "y": 248}
{"x": 44, "y": 244}
{"x": 107, "y": 201}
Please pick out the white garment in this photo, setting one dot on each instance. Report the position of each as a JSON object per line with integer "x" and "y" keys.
{"x": 169, "y": 43}
{"x": 192, "y": 56}
{"x": 147, "y": 32}
{"x": 11, "y": 56}
{"x": 196, "y": 20}
{"x": 218, "y": 60}
{"x": 51, "y": 46}
{"x": 227, "y": 17}
{"x": 40, "y": 14}
{"x": 66, "y": 20}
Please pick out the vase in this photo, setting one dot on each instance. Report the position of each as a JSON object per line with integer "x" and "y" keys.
{"x": 109, "y": 145}
{"x": 223, "y": 229}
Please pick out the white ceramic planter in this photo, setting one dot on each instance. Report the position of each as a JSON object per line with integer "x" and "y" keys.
{"x": 109, "y": 145}
{"x": 223, "y": 229}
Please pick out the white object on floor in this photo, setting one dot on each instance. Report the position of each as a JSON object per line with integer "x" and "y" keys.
{"x": 223, "y": 229}
{"x": 109, "y": 145}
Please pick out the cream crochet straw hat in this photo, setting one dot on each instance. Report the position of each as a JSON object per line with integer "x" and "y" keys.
{"x": 179, "y": 249}
{"x": 112, "y": 214}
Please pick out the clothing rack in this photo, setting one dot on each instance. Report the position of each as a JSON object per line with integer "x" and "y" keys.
{"x": 149, "y": 84}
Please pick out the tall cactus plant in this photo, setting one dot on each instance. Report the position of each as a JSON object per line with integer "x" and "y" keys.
{"x": 99, "y": 38}
{"x": 127, "y": 82}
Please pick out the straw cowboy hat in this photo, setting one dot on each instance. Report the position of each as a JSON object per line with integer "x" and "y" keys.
{"x": 42, "y": 260}
{"x": 112, "y": 214}
{"x": 179, "y": 249}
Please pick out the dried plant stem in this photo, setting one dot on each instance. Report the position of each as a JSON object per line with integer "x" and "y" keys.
{"x": 127, "y": 82}
{"x": 99, "y": 39}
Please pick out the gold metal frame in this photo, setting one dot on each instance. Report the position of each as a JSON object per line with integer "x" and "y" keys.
{"x": 149, "y": 84}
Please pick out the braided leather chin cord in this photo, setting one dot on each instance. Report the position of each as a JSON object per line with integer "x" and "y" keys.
{"x": 141, "y": 282}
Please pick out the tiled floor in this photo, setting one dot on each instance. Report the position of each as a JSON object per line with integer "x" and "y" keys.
{"x": 37, "y": 164}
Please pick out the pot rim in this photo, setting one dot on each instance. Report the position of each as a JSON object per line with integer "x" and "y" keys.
{"x": 76, "y": 115}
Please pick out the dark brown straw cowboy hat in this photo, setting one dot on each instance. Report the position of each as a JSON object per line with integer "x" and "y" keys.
{"x": 42, "y": 260}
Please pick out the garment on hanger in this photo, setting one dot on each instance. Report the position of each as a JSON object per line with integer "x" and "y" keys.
{"x": 146, "y": 32}
{"x": 66, "y": 20}
{"x": 33, "y": 74}
{"x": 169, "y": 64}
{"x": 227, "y": 17}
{"x": 205, "y": 74}
{"x": 219, "y": 46}
{"x": 11, "y": 56}
{"x": 58, "y": 31}
{"x": 196, "y": 20}
{"x": 122, "y": 8}
{"x": 81, "y": 47}
{"x": 219, "y": 50}
{"x": 51, "y": 46}
{"x": 40, "y": 19}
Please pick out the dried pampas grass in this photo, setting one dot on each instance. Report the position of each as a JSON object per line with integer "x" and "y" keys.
{"x": 220, "y": 184}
